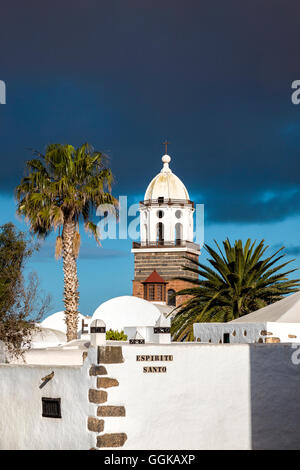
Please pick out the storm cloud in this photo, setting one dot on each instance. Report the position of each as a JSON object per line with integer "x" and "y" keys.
{"x": 213, "y": 77}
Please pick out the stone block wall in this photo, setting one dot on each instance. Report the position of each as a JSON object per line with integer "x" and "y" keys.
{"x": 168, "y": 264}
{"x": 105, "y": 355}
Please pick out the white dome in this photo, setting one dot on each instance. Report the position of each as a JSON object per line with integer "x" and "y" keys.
{"x": 45, "y": 337}
{"x": 56, "y": 321}
{"x": 166, "y": 184}
{"x": 127, "y": 311}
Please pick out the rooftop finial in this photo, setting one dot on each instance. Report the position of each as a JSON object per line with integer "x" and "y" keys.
{"x": 166, "y": 159}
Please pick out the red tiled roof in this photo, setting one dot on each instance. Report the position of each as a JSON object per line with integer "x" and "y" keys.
{"x": 155, "y": 278}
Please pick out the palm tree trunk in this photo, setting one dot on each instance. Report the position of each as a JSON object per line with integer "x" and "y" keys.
{"x": 71, "y": 295}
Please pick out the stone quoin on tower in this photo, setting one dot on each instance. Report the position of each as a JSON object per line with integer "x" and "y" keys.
{"x": 166, "y": 243}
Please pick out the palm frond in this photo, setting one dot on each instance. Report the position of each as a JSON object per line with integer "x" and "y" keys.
{"x": 237, "y": 281}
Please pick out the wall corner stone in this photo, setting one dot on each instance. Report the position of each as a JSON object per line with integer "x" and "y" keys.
{"x": 97, "y": 396}
{"x": 105, "y": 355}
{"x": 95, "y": 425}
{"x": 112, "y": 440}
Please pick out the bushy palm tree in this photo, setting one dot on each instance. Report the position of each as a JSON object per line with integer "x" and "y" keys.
{"x": 236, "y": 282}
{"x": 62, "y": 188}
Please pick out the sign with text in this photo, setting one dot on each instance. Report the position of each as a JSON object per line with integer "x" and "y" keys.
{"x": 154, "y": 369}
{"x": 154, "y": 358}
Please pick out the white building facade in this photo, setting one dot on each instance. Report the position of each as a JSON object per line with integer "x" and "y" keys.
{"x": 155, "y": 396}
{"x": 275, "y": 323}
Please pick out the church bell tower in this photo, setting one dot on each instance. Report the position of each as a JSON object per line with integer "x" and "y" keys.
{"x": 166, "y": 244}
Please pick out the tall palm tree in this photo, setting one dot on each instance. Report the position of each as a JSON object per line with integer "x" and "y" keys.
{"x": 236, "y": 282}
{"x": 62, "y": 188}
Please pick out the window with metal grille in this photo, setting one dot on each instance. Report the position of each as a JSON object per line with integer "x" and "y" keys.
{"x": 51, "y": 407}
{"x": 151, "y": 291}
{"x": 159, "y": 292}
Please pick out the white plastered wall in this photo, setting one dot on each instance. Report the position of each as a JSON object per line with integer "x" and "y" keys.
{"x": 235, "y": 396}
{"x": 191, "y": 406}
{"x": 149, "y": 220}
{"x": 247, "y": 332}
{"x": 240, "y": 396}
{"x": 22, "y": 425}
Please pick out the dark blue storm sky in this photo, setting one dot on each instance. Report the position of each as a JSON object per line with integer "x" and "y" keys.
{"x": 213, "y": 77}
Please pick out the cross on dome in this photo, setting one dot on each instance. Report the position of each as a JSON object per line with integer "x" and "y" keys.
{"x": 166, "y": 143}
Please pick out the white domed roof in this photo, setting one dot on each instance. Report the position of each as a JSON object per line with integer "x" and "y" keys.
{"x": 166, "y": 184}
{"x": 56, "y": 321}
{"x": 127, "y": 311}
{"x": 45, "y": 337}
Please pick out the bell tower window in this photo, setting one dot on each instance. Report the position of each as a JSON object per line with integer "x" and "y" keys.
{"x": 145, "y": 233}
{"x": 178, "y": 234}
{"x": 160, "y": 232}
